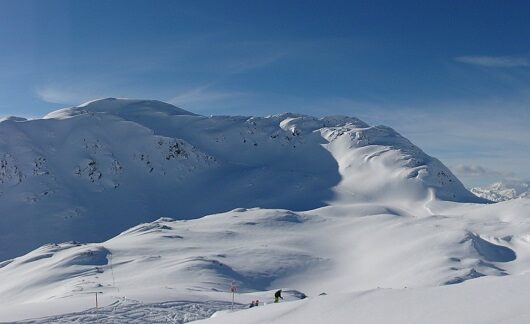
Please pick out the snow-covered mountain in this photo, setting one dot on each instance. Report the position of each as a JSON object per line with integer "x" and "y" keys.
{"x": 349, "y": 219}
{"x": 87, "y": 173}
{"x": 504, "y": 190}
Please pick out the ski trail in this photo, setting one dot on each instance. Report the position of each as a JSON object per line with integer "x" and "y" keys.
{"x": 138, "y": 312}
{"x": 429, "y": 200}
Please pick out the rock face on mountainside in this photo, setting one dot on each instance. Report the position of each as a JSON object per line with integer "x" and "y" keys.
{"x": 502, "y": 191}
{"x": 88, "y": 172}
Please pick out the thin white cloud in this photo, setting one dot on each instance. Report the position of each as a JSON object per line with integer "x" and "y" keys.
{"x": 56, "y": 95}
{"x": 65, "y": 95}
{"x": 203, "y": 95}
{"x": 494, "y": 61}
{"x": 464, "y": 170}
{"x": 249, "y": 64}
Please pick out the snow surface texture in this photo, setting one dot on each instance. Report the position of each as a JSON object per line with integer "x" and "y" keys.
{"x": 505, "y": 190}
{"x": 354, "y": 217}
{"x": 366, "y": 257}
{"x": 133, "y": 311}
{"x": 89, "y": 172}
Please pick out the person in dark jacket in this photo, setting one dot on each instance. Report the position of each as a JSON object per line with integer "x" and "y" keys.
{"x": 277, "y": 296}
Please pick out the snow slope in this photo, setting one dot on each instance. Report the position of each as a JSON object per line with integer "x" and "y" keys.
{"x": 354, "y": 217}
{"x": 485, "y": 300}
{"x": 87, "y": 173}
{"x": 346, "y": 251}
{"x": 504, "y": 190}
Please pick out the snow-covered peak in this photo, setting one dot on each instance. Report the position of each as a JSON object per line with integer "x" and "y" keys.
{"x": 319, "y": 205}
{"x": 119, "y": 162}
{"x": 504, "y": 190}
{"x": 121, "y": 107}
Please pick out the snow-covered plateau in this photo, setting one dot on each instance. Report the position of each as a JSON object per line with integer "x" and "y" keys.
{"x": 353, "y": 222}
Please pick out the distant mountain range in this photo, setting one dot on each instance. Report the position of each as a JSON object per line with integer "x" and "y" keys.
{"x": 505, "y": 190}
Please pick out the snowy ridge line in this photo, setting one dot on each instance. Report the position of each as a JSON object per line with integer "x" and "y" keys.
{"x": 170, "y": 197}
{"x": 150, "y": 159}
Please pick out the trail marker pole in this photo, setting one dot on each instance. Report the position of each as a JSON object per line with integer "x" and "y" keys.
{"x": 233, "y": 289}
{"x": 112, "y": 271}
{"x": 97, "y": 310}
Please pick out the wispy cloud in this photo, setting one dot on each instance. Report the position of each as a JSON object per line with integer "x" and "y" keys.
{"x": 205, "y": 94}
{"x": 66, "y": 95}
{"x": 253, "y": 63}
{"x": 75, "y": 91}
{"x": 464, "y": 170}
{"x": 52, "y": 95}
{"x": 494, "y": 61}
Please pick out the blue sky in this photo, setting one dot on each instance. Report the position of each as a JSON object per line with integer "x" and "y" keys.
{"x": 452, "y": 76}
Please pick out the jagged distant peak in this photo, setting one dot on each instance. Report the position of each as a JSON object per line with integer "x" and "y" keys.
{"x": 504, "y": 190}
{"x": 120, "y": 107}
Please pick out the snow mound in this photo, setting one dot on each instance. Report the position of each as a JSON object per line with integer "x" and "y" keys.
{"x": 485, "y": 300}
{"x": 390, "y": 167}
{"x": 491, "y": 252}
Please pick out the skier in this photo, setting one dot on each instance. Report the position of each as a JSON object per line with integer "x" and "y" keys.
{"x": 256, "y": 303}
{"x": 252, "y": 304}
{"x": 277, "y": 296}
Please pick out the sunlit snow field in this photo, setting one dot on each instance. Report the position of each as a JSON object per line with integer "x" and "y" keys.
{"x": 158, "y": 211}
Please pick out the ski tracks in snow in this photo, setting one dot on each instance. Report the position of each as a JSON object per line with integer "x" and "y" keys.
{"x": 132, "y": 311}
{"x": 429, "y": 201}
